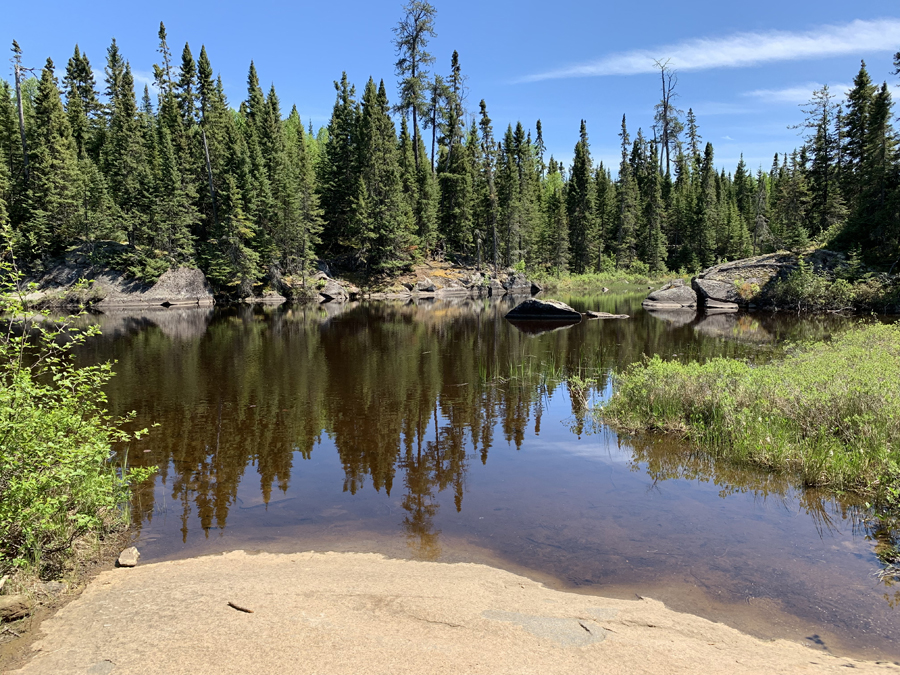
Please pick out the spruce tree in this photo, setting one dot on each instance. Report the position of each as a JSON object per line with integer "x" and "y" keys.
{"x": 338, "y": 170}
{"x": 54, "y": 179}
{"x": 693, "y": 137}
{"x": 490, "y": 205}
{"x": 791, "y": 208}
{"x": 821, "y": 142}
{"x": 605, "y": 217}
{"x": 877, "y": 221}
{"x": 82, "y": 105}
{"x": 856, "y": 126}
{"x": 629, "y": 207}
{"x": 174, "y": 215}
{"x": 556, "y": 238}
{"x": 124, "y": 158}
{"x": 382, "y": 224}
{"x": 707, "y": 214}
{"x": 303, "y": 251}
{"x": 580, "y": 205}
{"x": 655, "y": 217}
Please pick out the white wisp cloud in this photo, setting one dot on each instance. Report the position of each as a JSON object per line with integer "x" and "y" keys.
{"x": 742, "y": 49}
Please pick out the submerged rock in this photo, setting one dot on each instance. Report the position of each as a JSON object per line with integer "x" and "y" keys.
{"x": 673, "y": 295}
{"x": 549, "y": 310}
{"x": 534, "y": 327}
{"x": 605, "y": 315}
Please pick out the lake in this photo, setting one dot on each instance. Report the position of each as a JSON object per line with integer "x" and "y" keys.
{"x": 437, "y": 430}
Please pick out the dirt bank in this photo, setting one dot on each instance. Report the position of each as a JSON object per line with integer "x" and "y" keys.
{"x": 363, "y": 613}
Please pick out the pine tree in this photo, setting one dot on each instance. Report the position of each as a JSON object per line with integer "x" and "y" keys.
{"x": 580, "y": 205}
{"x": 230, "y": 259}
{"x": 412, "y": 36}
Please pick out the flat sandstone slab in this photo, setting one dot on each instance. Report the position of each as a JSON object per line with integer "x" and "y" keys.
{"x": 362, "y": 613}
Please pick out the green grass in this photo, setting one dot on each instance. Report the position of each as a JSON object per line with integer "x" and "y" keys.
{"x": 575, "y": 284}
{"x": 828, "y": 411}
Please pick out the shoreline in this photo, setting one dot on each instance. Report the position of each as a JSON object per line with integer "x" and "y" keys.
{"x": 339, "y": 612}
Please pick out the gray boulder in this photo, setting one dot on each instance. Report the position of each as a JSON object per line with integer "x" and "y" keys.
{"x": 715, "y": 294}
{"x": 544, "y": 310}
{"x": 673, "y": 295}
{"x": 333, "y": 292}
{"x": 425, "y": 285}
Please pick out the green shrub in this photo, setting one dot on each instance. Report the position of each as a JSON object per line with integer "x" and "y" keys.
{"x": 56, "y": 479}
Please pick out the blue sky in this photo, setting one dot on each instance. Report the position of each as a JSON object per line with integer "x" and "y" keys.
{"x": 743, "y": 67}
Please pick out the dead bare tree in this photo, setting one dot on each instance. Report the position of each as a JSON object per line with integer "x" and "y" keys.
{"x": 18, "y": 70}
{"x": 668, "y": 117}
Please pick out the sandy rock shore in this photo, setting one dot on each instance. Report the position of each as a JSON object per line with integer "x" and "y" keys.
{"x": 336, "y": 613}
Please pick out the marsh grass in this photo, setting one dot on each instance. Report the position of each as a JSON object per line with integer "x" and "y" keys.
{"x": 829, "y": 411}
{"x": 621, "y": 281}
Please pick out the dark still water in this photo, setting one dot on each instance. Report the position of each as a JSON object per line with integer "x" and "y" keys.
{"x": 439, "y": 431}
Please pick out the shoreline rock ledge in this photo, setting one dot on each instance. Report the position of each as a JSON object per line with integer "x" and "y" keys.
{"x": 674, "y": 295}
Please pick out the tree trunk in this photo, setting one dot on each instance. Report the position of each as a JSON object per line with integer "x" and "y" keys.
{"x": 209, "y": 175}
{"x": 18, "y": 75}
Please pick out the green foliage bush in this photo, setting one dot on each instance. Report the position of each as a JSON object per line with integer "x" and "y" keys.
{"x": 829, "y": 411}
{"x": 57, "y": 482}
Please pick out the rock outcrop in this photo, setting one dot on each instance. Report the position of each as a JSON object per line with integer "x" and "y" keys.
{"x": 544, "y": 310}
{"x": 79, "y": 282}
{"x": 744, "y": 282}
{"x": 674, "y": 295}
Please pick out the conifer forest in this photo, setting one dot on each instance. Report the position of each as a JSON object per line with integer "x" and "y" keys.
{"x": 412, "y": 168}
